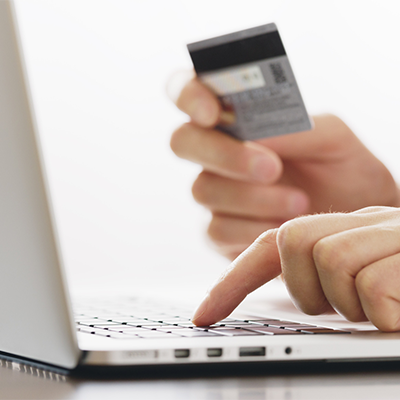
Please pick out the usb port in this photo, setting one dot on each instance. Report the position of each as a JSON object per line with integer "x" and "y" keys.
{"x": 252, "y": 351}
{"x": 182, "y": 353}
{"x": 216, "y": 352}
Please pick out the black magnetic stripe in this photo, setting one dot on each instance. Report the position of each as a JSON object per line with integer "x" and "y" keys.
{"x": 261, "y": 47}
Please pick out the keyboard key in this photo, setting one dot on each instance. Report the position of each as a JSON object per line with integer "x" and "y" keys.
{"x": 176, "y": 321}
{"x": 122, "y": 336}
{"x": 275, "y": 323}
{"x": 89, "y": 321}
{"x": 233, "y": 331}
{"x": 299, "y": 327}
{"x": 94, "y": 331}
{"x": 149, "y": 325}
{"x": 285, "y": 325}
{"x": 160, "y": 317}
{"x": 185, "y": 324}
{"x": 245, "y": 317}
{"x": 206, "y": 328}
{"x": 322, "y": 331}
{"x": 87, "y": 329}
{"x": 174, "y": 329}
{"x": 157, "y": 335}
{"x": 268, "y": 330}
{"x": 240, "y": 324}
{"x": 100, "y": 324}
{"x": 127, "y": 320}
{"x": 125, "y": 329}
{"x": 85, "y": 318}
{"x": 194, "y": 333}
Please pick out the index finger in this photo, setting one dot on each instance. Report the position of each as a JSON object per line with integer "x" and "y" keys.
{"x": 259, "y": 264}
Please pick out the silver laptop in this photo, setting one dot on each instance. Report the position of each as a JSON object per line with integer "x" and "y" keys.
{"x": 39, "y": 323}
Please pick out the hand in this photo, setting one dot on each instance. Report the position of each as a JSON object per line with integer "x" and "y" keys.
{"x": 251, "y": 187}
{"x": 349, "y": 263}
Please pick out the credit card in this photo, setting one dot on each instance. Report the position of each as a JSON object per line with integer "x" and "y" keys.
{"x": 250, "y": 73}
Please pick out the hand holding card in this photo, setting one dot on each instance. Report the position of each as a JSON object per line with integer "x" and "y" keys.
{"x": 253, "y": 186}
{"x": 250, "y": 73}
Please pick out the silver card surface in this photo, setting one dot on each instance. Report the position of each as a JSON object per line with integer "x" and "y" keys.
{"x": 250, "y": 73}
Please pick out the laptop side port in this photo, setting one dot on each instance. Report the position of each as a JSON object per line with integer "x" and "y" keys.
{"x": 252, "y": 351}
{"x": 214, "y": 352}
{"x": 182, "y": 353}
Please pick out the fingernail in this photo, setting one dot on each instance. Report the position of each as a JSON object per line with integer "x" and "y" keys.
{"x": 202, "y": 308}
{"x": 262, "y": 168}
{"x": 176, "y": 82}
{"x": 203, "y": 112}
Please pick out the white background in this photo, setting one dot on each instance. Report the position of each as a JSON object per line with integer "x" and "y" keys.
{"x": 98, "y": 70}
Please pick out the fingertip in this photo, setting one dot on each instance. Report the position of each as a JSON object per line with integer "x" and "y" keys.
{"x": 269, "y": 236}
{"x": 177, "y": 82}
{"x": 243, "y": 276}
{"x": 211, "y": 314}
{"x": 204, "y": 320}
{"x": 299, "y": 203}
{"x": 199, "y": 103}
{"x": 204, "y": 112}
{"x": 177, "y": 143}
{"x": 200, "y": 311}
{"x": 265, "y": 165}
{"x": 219, "y": 303}
{"x": 212, "y": 309}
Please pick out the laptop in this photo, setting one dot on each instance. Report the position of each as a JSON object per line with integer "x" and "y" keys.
{"x": 40, "y": 325}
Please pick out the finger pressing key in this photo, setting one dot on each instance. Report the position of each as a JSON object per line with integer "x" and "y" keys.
{"x": 259, "y": 264}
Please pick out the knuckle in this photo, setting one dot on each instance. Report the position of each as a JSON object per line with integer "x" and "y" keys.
{"x": 322, "y": 254}
{"x": 374, "y": 292}
{"x": 370, "y": 286}
{"x": 266, "y": 238}
{"x": 291, "y": 235}
{"x": 330, "y": 256}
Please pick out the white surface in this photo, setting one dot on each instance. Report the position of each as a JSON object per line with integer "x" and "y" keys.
{"x": 98, "y": 70}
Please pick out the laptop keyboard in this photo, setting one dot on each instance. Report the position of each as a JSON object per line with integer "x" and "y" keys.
{"x": 145, "y": 321}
